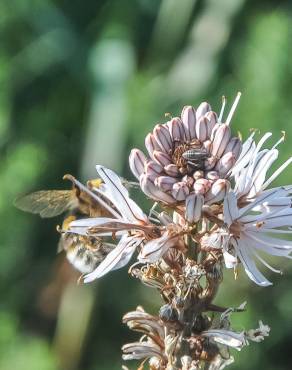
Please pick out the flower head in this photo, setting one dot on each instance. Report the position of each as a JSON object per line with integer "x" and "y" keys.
{"x": 193, "y": 154}
{"x": 249, "y": 231}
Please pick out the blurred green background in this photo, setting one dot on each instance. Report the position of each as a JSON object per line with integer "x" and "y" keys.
{"x": 82, "y": 82}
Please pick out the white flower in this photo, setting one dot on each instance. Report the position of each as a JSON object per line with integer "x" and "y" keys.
{"x": 126, "y": 215}
{"x": 248, "y": 231}
{"x": 128, "y": 223}
{"x": 250, "y": 169}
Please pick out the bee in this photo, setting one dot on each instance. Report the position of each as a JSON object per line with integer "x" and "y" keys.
{"x": 84, "y": 252}
{"x": 196, "y": 157}
{"x": 52, "y": 203}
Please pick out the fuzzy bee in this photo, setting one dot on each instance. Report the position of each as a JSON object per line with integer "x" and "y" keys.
{"x": 85, "y": 253}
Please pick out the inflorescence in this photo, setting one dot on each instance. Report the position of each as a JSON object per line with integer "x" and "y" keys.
{"x": 212, "y": 208}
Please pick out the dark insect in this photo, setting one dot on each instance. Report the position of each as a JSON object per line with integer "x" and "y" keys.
{"x": 196, "y": 157}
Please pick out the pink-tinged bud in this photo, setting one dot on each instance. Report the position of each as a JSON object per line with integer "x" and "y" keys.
{"x": 217, "y": 192}
{"x": 234, "y": 146}
{"x": 165, "y": 183}
{"x": 162, "y": 136}
{"x": 214, "y": 130}
{"x": 153, "y": 192}
{"x": 198, "y": 174}
{"x": 151, "y": 144}
{"x": 188, "y": 116}
{"x": 206, "y": 183}
{"x": 137, "y": 160}
{"x": 180, "y": 191}
{"x": 176, "y": 129}
{"x": 199, "y": 188}
{"x": 161, "y": 158}
{"x": 212, "y": 175}
{"x": 188, "y": 180}
{"x": 221, "y": 140}
{"x": 202, "y": 109}
{"x": 172, "y": 170}
{"x": 207, "y": 145}
{"x": 202, "y": 128}
{"x": 153, "y": 170}
{"x": 213, "y": 119}
{"x": 210, "y": 163}
{"x": 225, "y": 163}
{"x": 194, "y": 204}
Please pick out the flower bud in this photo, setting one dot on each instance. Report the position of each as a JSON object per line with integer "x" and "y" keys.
{"x": 213, "y": 119}
{"x": 154, "y": 192}
{"x": 162, "y": 136}
{"x": 202, "y": 129}
{"x": 234, "y": 146}
{"x": 218, "y": 191}
{"x": 188, "y": 117}
{"x": 207, "y": 145}
{"x": 161, "y": 158}
{"x": 194, "y": 204}
{"x": 176, "y": 129}
{"x": 221, "y": 140}
{"x": 165, "y": 183}
{"x": 137, "y": 160}
{"x": 212, "y": 175}
{"x": 225, "y": 163}
{"x": 198, "y": 174}
{"x": 152, "y": 170}
{"x": 202, "y": 109}
{"x": 172, "y": 170}
{"x": 180, "y": 191}
{"x": 151, "y": 144}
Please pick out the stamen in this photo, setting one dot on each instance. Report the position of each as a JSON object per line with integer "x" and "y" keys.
{"x": 267, "y": 264}
{"x": 282, "y": 138}
{"x": 233, "y": 108}
{"x": 222, "y": 108}
{"x": 277, "y": 173}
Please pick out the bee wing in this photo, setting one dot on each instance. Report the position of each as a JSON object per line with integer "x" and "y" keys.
{"x": 47, "y": 203}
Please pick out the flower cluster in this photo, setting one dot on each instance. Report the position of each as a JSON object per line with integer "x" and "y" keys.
{"x": 212, "y": 208}
{"x": 189, "y": 155}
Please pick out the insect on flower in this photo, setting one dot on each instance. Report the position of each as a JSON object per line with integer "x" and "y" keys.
{"x": 85, "y": 253}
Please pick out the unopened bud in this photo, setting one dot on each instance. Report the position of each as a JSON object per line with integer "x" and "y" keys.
{"x": 152, "y": 170}
{"x": 165, "y": 183}
{"x": 172, "y": 170}
{"x": 225, "y": 163}
{"x": 202, "y": 129}
{"x": 162, "y": 136}
{"x": 194, "y": 204}
{"x": 180, "y": 191}
{"x": 188, "y": 117}
{"x": 202, "y": 109}
{"x": 137, "y": 160}
{"x": 176, "y": 129}
{"x": 218, "y": 191}
{"x": 221, "y": 140}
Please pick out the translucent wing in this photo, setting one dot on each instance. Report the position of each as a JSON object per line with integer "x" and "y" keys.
{"x": 47, "y": 203}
